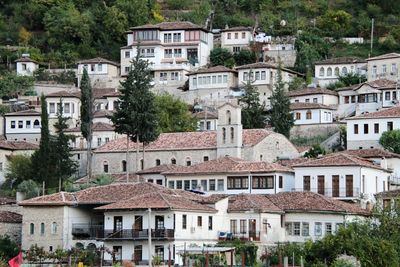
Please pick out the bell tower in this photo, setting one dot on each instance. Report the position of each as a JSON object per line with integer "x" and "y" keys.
{"x": 229, "y": 131}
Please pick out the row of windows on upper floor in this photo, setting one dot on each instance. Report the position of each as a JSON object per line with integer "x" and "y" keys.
{"x": 337, "y": 71}
{"x": 42, "y": 228}
{"x": 370, "y": 98}
{"x": 327, "y": 116}
{"x": 376, "y": 128}
{"x": 68, "y": 108}
{"x": 256, "y": 75}
{"x": 210, "y": 79}
{"x": 93, "y": 67}
{"x": 384, "y": 70}
{"x": 303, "y": 228}
{"x": 168, "y": 53}
{"x": 170, "y": 37}
{"x": 236, "y": 35}
{"x": 28, "y": 125}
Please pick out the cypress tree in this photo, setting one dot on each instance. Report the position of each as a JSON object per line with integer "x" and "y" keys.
{"x": 253, "y": 112}
{"x": 87, "y": 117}
{"x": 280, "y": 117}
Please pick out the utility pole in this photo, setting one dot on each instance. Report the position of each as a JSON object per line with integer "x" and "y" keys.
{"x": 149, "y": 237}
{"x": 372, "y": 35}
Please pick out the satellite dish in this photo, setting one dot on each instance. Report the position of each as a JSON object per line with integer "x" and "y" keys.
{"x": 283, "y": 23}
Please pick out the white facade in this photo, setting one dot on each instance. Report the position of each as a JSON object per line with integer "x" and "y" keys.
{"x": 26, "y": 66}
{"x": 306, "y": 116}
{"x": 103, "y": 73}
{"x": 384, "y": 67}
{"x": 236, "y": 39}
{"x": 22, "y": 126}
{"x": 71, "y": 108}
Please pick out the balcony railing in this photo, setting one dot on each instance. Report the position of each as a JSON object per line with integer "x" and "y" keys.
{"x": 131, "y": 234}
{"x": 341, "y": 192}
{"x": 247, "y": 236}
{"x": 86, "y": 231}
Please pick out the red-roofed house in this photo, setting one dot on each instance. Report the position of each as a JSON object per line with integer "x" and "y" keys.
{"x": 103, "y": 73}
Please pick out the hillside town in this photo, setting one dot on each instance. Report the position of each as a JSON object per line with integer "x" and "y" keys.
{"x": 173, "y": 157}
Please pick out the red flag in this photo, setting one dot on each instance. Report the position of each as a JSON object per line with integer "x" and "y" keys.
{"x": 16, "y": 261}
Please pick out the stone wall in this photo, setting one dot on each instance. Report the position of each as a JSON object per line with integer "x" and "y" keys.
{"x": 314, "y": 130}
{"x": 13, "y": 230}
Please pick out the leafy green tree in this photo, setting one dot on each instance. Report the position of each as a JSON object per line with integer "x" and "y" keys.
{"x": 352, "y": 78}
{"x": 12, "y": 85}
{"x": 335, "y": 22}
{"x": 19, "y": 169}
{"x": 173, "y": 114}
{"x": 87, "y": 109}
{"x": 64, "y": 165}
{"x": 280, "y": 116}
{"x": 244, "y": 57}
{"x": 390, "y": 140}
{"x": 8, "y": 248}
{"x": 296, "y": 83}
{"x": 315, "y": 151}
{"x": 30, "y": 188}
{"x": 253, "y": 112}
{"x": 221, "y": 56}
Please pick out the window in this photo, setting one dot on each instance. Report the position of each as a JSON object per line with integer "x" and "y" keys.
{"x": 107, "y": 139}
{"x": 188, "y": 162}
{"x": 99, "y": 141}
{"x": 12, "y": 125}
{"x": 355, "y": 128}
{"x": 199, "y": 221}
{"x": 171, "y": 184}
{"x": 322, "y": 72}
{"x": 127, "y": 54}
{"x": 179, "y": 184}
{"x": 238, "y": 182}
{"x": 223, "y": 135}
{"x": 306, "y": 183}
{"x": 243, "y": 226}
{"x": 257, "y": 75}
{"x": 194, "y": 81}
{"x": 329, "y": 72}
{"x": 160, "y": 252}
{"x": 23, "y": 66}
{"x": 245, "y": 76}
{"x": 233, "y": 226}
{"x": 393, "y": 69}
{"x": 123, "y": 165}
{"x": 42, "y": 229}
{"x": 387, "y": 96}
{"x": 328, "y": 228}
{"x": 100, "y": 67}
{"x": 337, "y": 72}
{"x": 192, "y": 35}
{"x": 28, "y": 124}
{"x": 205, "y": 158}
{"x": 105, "y": 167}
{"x": 127, "y": 69}
{"x": 210, "y": 223}
{"x": 280, "y": 181}
{"x": 263, "y": 182}
{"x": 236, "y": 35}
{"x": 173, "y": 161}
{"x": 289, "y": 228}
{"x": 229, "y": 35}
{"x": 220, "y": 185}
{"x": 158, "y": 162}
{"x": 212, "y": 185}
{"x": 298, "y": 116}
{"x": 168, "y": 53}
{"x": 167, "y": 38}
{"x": 232, "y": 134}
{"x": 376, "y": 128}
{"x": 296, "y": 229}
{"x": 177, "y": 37}
{"x": 177, "y": 52}
{"x": 307, "y": 100}
{"x": 384, "y": 70}
{"x": 390, "y": 126}
{"x": 194, "y": 184}
{"x": 344, "y": 70}
{"x": 305, "y": 230}
{"x": 366, "y": 128}
{"x": 243, "y": 35}
{"x": 203, "y": 184}
{"x": 117, "y": 250}
{"x": 318, "y": 229}
{"x": 186, "y": 184}
{"x": 315, "y": 100}
{"x": 263, "y": 75}
{"x": 184, "y": 221}
{"x": 54, "y": 228}
{"x": 308, "y": 115}
{"x": 32, "y": 229}
{"x": 20, "y": 124}
{"x": 225, "y": 77}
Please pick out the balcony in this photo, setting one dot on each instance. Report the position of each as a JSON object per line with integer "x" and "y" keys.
{"x": 131, "y": 234}
{"x": 83, "y": 231}
{"x": 247, "y": 236}
{"x": 341, "y": 192}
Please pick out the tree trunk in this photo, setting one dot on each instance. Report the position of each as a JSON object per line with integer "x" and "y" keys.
{"x": 127, "y": 156}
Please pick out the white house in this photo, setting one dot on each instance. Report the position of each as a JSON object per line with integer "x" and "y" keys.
{"x": 22, "y": 126}
{"x": 311, "y": 113}
{"x": 263, "y": 76}
{"x": 207, "y": 120}
{"x": 364, "y": 131}
{"x": 103, "y": 73}
{"x": 314, "y": 95}
{"x": 328, "y": 71}
{"x": 384, "y": 67}
{"x": 341, "y": 176}
{"x": 26, "y": 66}
{"x": 172, "y": 48}
{"x": 236, "y": 38}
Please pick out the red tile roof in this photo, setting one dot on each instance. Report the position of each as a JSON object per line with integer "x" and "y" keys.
{"x": 229, "y": 165}
{"x": 97, "y": 127}
{"x": 98, "y": 60}
{"x": 159, "y": 169}
{"x": 239, "y": 28}
{"x": 380, "y": 84}
{"x": 10, "y": 217}
{"x": 385, "y": 56}
{"x": 28, "y": 112}
{"x": 372, "y": 153}
{"x": 184, "y": 141}
{"x": 312, "y": 91}
{"x": 17, "y": 145}
{"x": 177, "y": 25}
{"x": 214, "y": 69}
{"x": 26, "y": 59}
{"x": 206, "y": 114}
{"x": 102, "y": 113}
{"x": 341, "y": 60}
{"x": 338, "y": 160}
{"x": 7, "y": 200}
{"x": 63, "y": 93}
{"x": 116, "y": 178}
{"x": 393, "y": 112}
{"x": 247, "y": 202}
{"x": 302, "y": 105}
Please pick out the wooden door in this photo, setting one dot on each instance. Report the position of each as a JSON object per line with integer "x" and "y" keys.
{"x": 321, "y": 184}
{"x": 137, "y": 254}
{"x": 138, "y": 225}
{"x": 306, "y": 183}
{"x": 335, "y": 186}
{"x": 252, "y": 229}
{"x": 349, "y": 185}
{"x": 117, "y": 226}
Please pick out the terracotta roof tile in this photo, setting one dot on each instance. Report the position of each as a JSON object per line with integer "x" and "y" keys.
{"x": 372, "y": 153}
{"x": 28, "y": 112}
{"x": 177, "y": 25}
{"x": 7, "y": 200}
{"x": 159, "y": 169}
{"x": 229, "y": 165}
{"x": 311, "y": 91}
{"x": 389, "y": 194}
{"x": 17, "y": 145}
{"x": 379, "y": 84}
{"x": 97, "y": 127}
{"x": 214, "y": 69}
{"x": 303, "y": 105}
{"x": 10, "y": 217}
{"x": 393, "y": 112}
{"x": 291, "y": 162}
{"x": 116, "y": 178}
{"x": 246, "y": 202}
{"x": 184, "y": 141}
{"x": 206, "y": 114}
{"x": 26, "y": 59}
{"x": 341, "y": 60}
{"x": 63, "y": 93}
{"x": 56, "y": 199}
{"x": 98, "y": 60}
{"x": 104, "y": 92}
{"x": 239, "y": 28}
{"x": 102, "y": 113}
{"x": 385, "y": 56}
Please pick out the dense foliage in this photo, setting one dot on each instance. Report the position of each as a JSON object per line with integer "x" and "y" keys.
{"x": 253, "y": 112}
{"x": 390, "y": 140}
{"x": 8, "y": 248}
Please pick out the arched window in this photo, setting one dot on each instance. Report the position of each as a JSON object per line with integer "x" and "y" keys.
{"x": 173, "y": 161}
{"x": 36, "y": 124}
{"x": 91, "y": 247}
{"x": 158, "y": 162}
{"x": 188, "y": 161}
{"x": 124, "y": 165}
{"x": 329, "y": 72}
{"x": 105, "y": 166}
{"x": 42, "y": 229}
{"x": 261, "y": 157}
{"x": 54, "y": 228}
{"x": 232, "y": 134}
{"x": 32, "y": 229}
{"x": 228, "y": 117}
{"x": 141, "y": 164}
{"x": 79, "y": 246}
{"x": 337, "y": 72}
{"x": 223, "y": 135}
{"x": 308, "y": 115}
{"x": 322, "y": 72}
{"x": 344, "y": 71}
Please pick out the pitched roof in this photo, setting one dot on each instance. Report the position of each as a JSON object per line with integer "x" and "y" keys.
{"x": 185, "y": 141}
{"x": 17, "y": 145}
{"x": 389, "y": 194}
{"x": 63, "y": 93}
{"x": 393, "y": 112}
{"x": 385, "y": 56}
{"x": 303, "y": 105}
{"x": 56, "y": 199}
{"x": 26, "y": 59}
{"x": 338, "y": 160}
{"x": 7, "y": 200}
{"x": 105, "y": 92}
{"x": 313, "y": 202}
{"x": 10, "y": 217}
{"x": 28, "y": 112}
{"x": 102, "y": 113}
{"x": 380, "y": 84}
{"x": 206, "y": 115}
{"x": 98, "y": 60}
{"x": 176, "y": 25}
{"x": 116, "y": 178}
{"x": 214, "y": 69}
{"x": 159, "y": 169}
{"x": 239, "y": 28}
{"x": 372, "y": 153}
{"x": 260, "y": 65}
{"x": 97, "y": 127}
{"x": 312, "y": 91}
{"x": 229, "y": 165}
{"x": 341, "y": 60}
{"x": 246, "y": 202}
